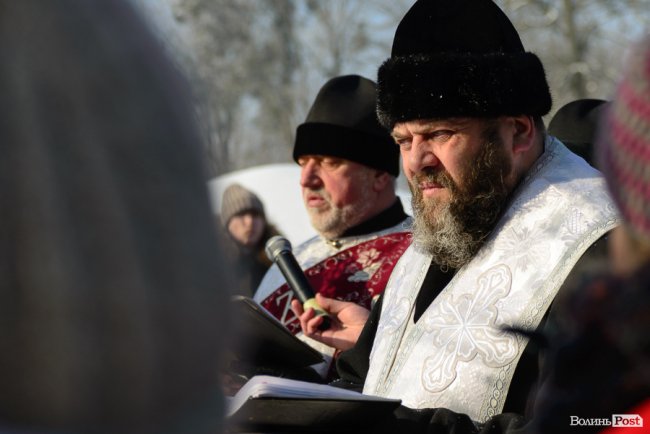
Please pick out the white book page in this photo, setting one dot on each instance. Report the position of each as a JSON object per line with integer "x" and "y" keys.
{"x": 262, "y": 386}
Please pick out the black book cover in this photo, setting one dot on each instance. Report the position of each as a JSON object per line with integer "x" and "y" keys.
{"x": 265, "y": 342}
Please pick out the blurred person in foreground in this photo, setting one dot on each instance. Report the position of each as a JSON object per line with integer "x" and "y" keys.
{"x": 348, "y": 168}
{"x": 245, "y": 233}
{"x": 110, "y": 301}
{"x": 503, "y": 212}
{"x": 601, "y": 360}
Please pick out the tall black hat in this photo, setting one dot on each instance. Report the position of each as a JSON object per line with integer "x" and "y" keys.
{"x": 459, "y": 58}
{"x": 343, "y": 123}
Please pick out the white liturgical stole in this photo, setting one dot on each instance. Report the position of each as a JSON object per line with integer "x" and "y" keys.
{"x": 457, "y": 356}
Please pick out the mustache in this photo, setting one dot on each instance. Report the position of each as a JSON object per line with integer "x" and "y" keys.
{"x": 429, "y": 175}
{"x": 320, "y": 192}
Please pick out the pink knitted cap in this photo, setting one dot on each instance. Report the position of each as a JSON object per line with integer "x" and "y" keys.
{"x": 624, "y": 141}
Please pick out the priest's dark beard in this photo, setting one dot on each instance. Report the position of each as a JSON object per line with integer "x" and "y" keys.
{"x": 454, "y": 231}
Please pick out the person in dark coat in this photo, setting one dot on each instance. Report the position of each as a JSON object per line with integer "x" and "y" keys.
{"x": 245, "y": 231}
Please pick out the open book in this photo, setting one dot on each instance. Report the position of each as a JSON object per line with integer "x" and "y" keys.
{"x": 266, "y": 402}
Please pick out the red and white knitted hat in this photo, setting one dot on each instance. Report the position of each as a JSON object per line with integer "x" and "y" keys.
{"x": 624, "y": 141}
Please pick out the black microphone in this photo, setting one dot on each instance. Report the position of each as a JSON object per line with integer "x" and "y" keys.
{"x": 278, "y": 250}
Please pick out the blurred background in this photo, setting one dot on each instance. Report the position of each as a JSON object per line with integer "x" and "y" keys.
{"x": 256, "y": 65}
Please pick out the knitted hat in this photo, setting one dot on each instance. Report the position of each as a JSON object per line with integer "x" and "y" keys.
{"x": 236, "y": 199}
{"x": 459, "y": 58}
{"x": 342, "y": 122}
{"x": 623, "y": 143}
{"x": 575, "y": 124}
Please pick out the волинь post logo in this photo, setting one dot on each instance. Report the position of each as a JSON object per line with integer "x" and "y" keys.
{"x": 617, "y": 420}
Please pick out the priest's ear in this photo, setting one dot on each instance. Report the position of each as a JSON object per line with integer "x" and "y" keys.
{"x": 524, "y": 133}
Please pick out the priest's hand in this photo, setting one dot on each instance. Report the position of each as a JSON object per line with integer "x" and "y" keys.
{"x": 347, "y": 319}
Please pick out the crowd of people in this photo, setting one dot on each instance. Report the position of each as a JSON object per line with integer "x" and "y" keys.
{"x": 515, "y": 299}
{"x": 503, "y": 214}
{"x": 477, "y": 329}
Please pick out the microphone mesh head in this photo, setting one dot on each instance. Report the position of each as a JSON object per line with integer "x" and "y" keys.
{"x": 276, "y": 245}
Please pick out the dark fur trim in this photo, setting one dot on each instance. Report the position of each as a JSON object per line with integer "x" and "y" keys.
{"x": 457, "y": 85}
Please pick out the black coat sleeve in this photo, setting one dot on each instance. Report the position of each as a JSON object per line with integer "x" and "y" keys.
{"x": 352, "y": 365}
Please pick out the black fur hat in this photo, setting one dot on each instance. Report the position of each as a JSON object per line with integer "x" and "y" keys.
{"x": 459, "y": 58}
{"x": 342, "y": 122}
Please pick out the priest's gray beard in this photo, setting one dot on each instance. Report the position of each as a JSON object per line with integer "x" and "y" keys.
{"x": 453, "y": 231}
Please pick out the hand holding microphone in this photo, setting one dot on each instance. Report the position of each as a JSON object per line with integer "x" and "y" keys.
{"x": 278, "y": 250}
